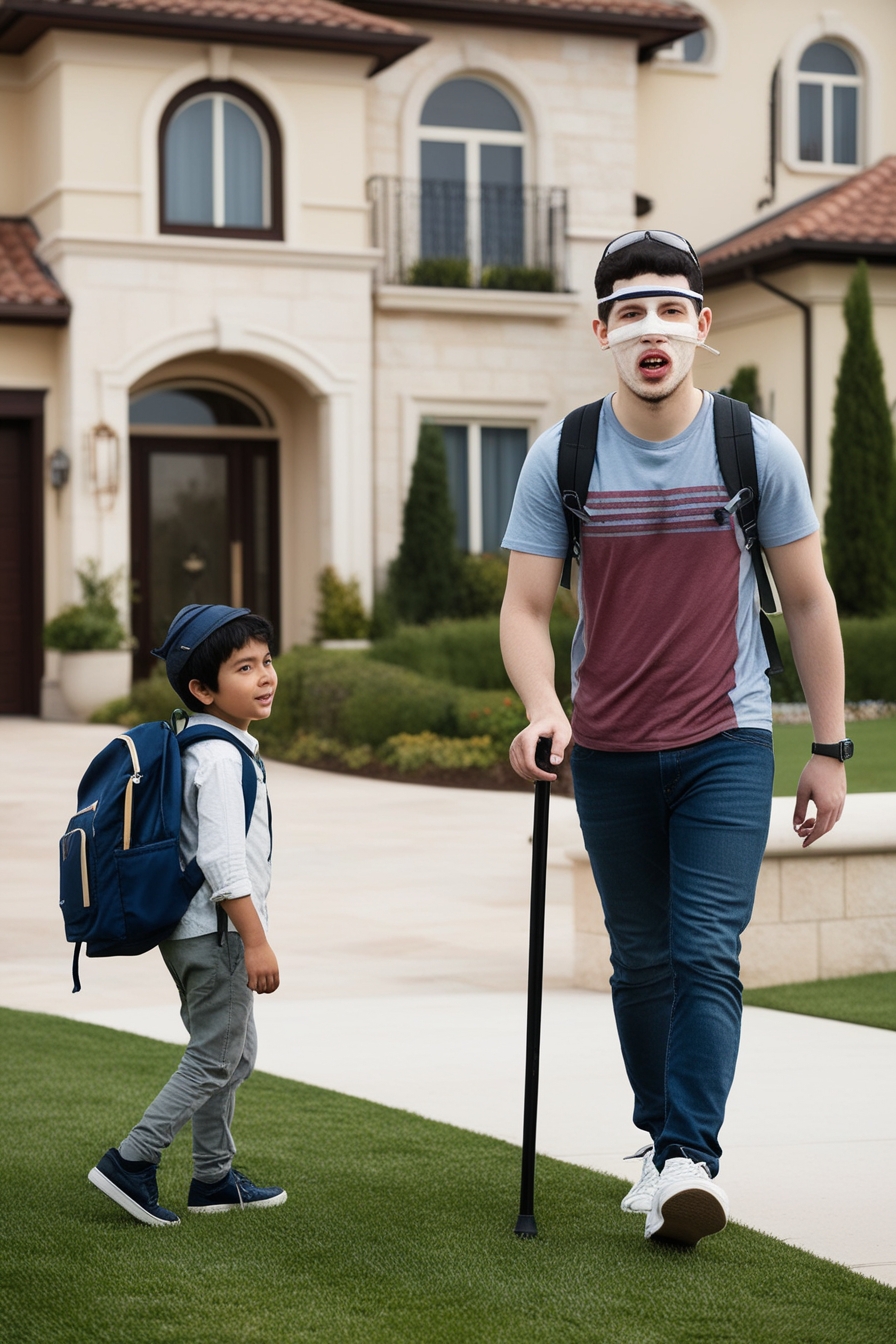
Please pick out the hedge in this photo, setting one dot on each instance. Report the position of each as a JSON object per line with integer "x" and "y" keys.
{"x": 349, "y": 698}
{"x": 869, "y": 648}
{"x": 468, "y": 653}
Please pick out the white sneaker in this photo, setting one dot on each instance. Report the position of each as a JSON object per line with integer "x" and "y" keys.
{"x": 687, "y": 1205}
{"x": 640, "y": 1198}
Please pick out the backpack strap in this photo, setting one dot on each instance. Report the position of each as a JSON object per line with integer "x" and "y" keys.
{"x": 736, "y": 452}
{"x": 575, "y": 461}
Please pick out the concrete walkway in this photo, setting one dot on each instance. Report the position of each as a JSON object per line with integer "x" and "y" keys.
{"x": 401, "y": 924}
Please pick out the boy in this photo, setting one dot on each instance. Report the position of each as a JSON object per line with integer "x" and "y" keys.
{"x": 672, "y": 763}
{"x": 218, "y": 659}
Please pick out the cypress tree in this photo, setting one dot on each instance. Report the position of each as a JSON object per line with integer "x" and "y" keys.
{"x": 859, "y": 523}
{"x": 745, "y": 387}
{"x": 423, "y": 577}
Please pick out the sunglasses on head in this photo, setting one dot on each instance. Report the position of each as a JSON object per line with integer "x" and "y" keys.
{"x": 650, "y": 236}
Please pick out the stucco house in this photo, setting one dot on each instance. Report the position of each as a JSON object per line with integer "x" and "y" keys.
{"x": 246, "y": 246}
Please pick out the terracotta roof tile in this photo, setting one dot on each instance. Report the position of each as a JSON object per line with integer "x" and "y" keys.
{"x": 321, "y": 25}
{"x": 639, "y": 11}
{"x": 648, "y": 9}
{"x": 28, "y": 291}
{"x": 313, "y": 13}
{"x": 855, "y": 214}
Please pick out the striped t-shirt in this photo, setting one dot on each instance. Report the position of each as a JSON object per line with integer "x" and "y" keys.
{"x": 668, "y": 649}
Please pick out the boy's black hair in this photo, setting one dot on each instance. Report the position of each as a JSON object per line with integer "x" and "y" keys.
{"x": 205, "y": 662}
{"x": 645, "y": 258}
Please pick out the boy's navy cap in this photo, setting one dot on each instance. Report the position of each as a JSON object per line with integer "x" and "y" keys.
{"x": 191, "y": 627}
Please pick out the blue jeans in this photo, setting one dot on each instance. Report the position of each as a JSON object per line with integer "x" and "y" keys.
{"x": 675, "y": 840}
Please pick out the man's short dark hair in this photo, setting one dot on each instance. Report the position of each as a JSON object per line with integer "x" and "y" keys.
{"x": 645, "y": 258}
{"x": 205, "y": 662}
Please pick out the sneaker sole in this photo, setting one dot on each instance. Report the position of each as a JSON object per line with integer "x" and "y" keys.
{"x": 102, "y": 1182}
{"x": 690, "y": 1215}
{"x": 226, "y": 1208}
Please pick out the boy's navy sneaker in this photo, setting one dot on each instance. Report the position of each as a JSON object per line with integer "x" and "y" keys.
{"x": 136, "y": 1191}
{"x": 234, "y": 1191}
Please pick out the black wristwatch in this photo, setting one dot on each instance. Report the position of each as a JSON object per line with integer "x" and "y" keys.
{"x": 841, "y": 751}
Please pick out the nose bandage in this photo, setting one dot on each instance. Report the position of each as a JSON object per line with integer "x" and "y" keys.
{"x": 654, "y": 325}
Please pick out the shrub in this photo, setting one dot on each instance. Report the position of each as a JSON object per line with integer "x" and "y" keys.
{"x": 408, "y": 752}
{"x": 150, "y": 699}
{"x": 468, "y": 653}
{"x": 744, "y": 386}
{"x": 481, "y": 583}
{"x": 465, "y": 653}
{"x": 424, "y": 575}
{"x": 869, "y": 648}
{"x": 441, "y": 272}
{"x": 518, "y": 277}
{"x": 94, "y": 622}
{"x": 309, "y": 749}
{"x": 860, "y": 523}
{"x": 341, "y": 613}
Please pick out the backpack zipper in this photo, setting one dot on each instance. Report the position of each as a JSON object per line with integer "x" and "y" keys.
{"x": 129, "y": 790}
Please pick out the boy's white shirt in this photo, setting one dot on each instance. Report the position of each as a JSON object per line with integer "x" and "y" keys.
{"x": 213, "y": 830}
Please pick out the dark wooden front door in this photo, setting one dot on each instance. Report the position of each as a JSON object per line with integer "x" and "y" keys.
{"x": 21, "y": 551}
{"x": 204, "y": 529}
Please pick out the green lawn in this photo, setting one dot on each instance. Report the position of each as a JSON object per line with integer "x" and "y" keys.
{"x": 871, "y": 770}
{"x": 867, "y": 999}
{"x": 396, "y": 1229}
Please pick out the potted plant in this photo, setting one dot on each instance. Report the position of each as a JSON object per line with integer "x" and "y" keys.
{"x": 93, "y": 645}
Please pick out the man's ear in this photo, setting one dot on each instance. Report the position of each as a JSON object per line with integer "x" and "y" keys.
{"x": 201, "y": 693}
{"x": 600, "y": 330}
{"x": 704, "y": 322}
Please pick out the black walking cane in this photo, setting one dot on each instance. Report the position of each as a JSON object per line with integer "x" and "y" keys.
{"x": 525, "y": 1223}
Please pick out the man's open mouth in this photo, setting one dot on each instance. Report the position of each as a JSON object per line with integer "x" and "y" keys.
{"x": 654, "y": 362}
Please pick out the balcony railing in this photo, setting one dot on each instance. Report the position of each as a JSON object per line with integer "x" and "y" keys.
{"x": 443, "y": 233}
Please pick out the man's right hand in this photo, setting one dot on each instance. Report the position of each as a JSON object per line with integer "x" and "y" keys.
{"x": 522, "y": 748}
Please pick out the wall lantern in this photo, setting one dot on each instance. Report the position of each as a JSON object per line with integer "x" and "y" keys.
{"x": 60, "y": 468}
{"x": 104, "y": 458}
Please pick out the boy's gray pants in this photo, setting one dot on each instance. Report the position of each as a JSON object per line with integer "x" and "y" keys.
{"x": 217, "y": 1011}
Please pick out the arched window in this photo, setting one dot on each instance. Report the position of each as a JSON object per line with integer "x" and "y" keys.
{"x": 197, "y": 406}
{"x": 828, "y": 91}
{"x": 220, "y": 164}
{"x": 472, "y": 172}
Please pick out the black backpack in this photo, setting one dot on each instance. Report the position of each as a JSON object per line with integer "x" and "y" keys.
{"x": 737, "y": 462}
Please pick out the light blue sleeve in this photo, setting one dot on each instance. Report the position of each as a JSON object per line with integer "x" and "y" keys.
{"x": 786, "y": 513}
{"x": 537, "y": 523}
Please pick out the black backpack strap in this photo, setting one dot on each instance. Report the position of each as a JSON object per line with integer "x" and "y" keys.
{"x": 575, "y": 461}
{"x": 737, "y": 462}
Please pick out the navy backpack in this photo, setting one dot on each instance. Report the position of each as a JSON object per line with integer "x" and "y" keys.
{"x": 122, "y": 888}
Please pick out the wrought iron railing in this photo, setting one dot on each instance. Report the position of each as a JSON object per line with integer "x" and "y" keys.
{"x": 443, "y": 233}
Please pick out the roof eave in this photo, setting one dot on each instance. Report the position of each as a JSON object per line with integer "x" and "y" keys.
{"x": 36, "y": 314}
{"x": 22, "y": 22}
{"x": 650, "y": 33}
{"x": 792, "y": 251}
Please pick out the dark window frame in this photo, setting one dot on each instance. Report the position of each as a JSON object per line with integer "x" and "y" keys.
{"x": 274, "y": 232}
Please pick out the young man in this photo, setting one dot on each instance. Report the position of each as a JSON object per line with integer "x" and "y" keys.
{"x": 672, "y": 759}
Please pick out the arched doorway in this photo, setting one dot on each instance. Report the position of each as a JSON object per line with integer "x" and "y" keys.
{"x": 204, "y": 493}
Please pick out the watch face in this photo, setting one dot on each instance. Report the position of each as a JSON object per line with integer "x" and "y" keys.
{"x": 847, "y": 748}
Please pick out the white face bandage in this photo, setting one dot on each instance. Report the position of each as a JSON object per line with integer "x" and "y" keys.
{"x": 654, "y": 325}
